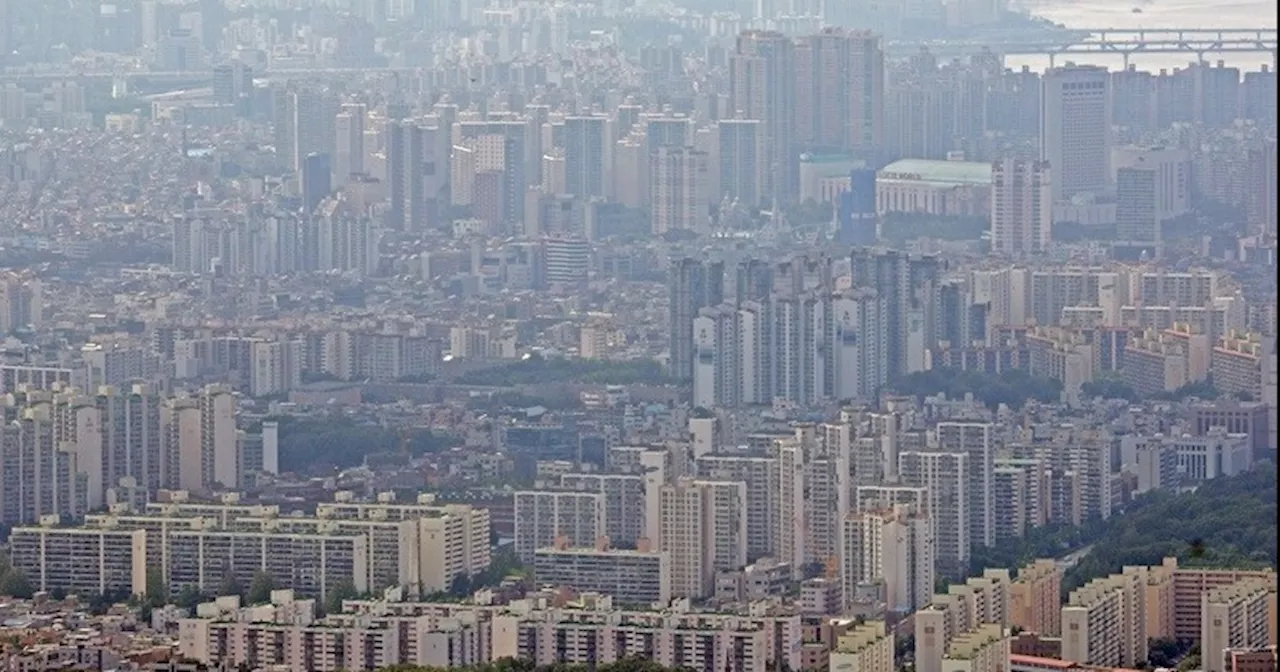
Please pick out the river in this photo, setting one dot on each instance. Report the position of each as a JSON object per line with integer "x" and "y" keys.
{"x": 1155, "y": 14}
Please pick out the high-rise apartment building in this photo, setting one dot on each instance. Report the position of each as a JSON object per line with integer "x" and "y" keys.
{"x": 693, "y": 285}
{"x": 908, "y": 285}
{"x": 741, "y": 161}
{"x": 1075, "y": 127}
{"x": 349, "y": 143}
{"x": 1104, "y": 622}
{"x": 678, "y": 184}
{"x": 887, "y": 555}
{"x": 1021, "y": 207}
{"x": 760, "y": 474}
{"x": 624, "y": 500}
{"x": 977, "y": 440}
{"x": 688, "y": 536}
{"x": 406, "y": 151}
{"x": 1237, "y": 616}
{"x": 198, "y": 435}
{"x": 840, "y": 85}
{"x": 944, "y": 476}
{"x": 867, "y": 647}
{"x": 762, "y": 75}
{"x": 543, "y": 517}
{"x": 587, "y": 162}
{"x": 729, "y": 523}
{"x": 304, "y": 124}
{"x": 1035, "y": 599}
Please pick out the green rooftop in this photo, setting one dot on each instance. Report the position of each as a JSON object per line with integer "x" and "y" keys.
{"x": 941, "y": 173}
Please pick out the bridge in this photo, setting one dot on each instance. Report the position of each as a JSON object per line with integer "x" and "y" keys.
{"x": 1114, "y": 42}
{"x": 1086, "y": 41}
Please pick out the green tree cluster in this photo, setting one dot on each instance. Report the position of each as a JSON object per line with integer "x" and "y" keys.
{"x": 1012, "y": 388}
{"x": 309, "y": 444}
{"x": 540, "y": 370}
{"x": 1225, "y": 522}
{"x": 504, "y": 564}
{"x": 13, "y": 582}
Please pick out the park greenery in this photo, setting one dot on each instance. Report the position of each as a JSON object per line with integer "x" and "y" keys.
{"x": 1224, "y": 522}
{"x": 1012, "y": 388}
{"x": 316, "y": 444}
{"x": 1111, "y": 387}
{"x": 536, "y": 370}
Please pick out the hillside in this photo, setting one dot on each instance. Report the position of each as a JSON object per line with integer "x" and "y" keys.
{"x": 1226, "y": 522}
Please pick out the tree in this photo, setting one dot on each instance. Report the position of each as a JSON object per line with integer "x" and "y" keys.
{"x": 189, "y": 597}
{"x": 14, "y": 583}
{"x": 260, "y": 588}
{"x": 157, "y": 587}
{"x": 230, "y": 585}
{"x": 337, "y": 593}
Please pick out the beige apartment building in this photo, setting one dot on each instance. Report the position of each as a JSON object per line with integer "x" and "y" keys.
{"x": 1035, "y": 599}
{"x": 1241, "y": 615}
{"x": 983, "y": 649}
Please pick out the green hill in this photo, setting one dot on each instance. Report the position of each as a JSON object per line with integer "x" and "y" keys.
{"x": 1226, "y": 522}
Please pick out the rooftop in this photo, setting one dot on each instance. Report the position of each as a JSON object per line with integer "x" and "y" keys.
{"x": 941, "y": 173}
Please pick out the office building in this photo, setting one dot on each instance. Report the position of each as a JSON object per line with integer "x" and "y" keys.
{"x": 568, "y": 260}
{"x": 857, "y": 210}
{"x": 1021, "y": 207}
{"x": 317, "y": 176}
{"x": 1153, "y": 185}
{"x": 1075, "y": 127}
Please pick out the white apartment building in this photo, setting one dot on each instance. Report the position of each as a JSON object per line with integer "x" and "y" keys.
{"x": 891, "y": 550}
{"x": 543, "y": 517}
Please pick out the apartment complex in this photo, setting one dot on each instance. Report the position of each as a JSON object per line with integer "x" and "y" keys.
{"x": 420, "y": 548}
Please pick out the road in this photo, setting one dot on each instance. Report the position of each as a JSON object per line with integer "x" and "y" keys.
{"x": 1073, "y": 558}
